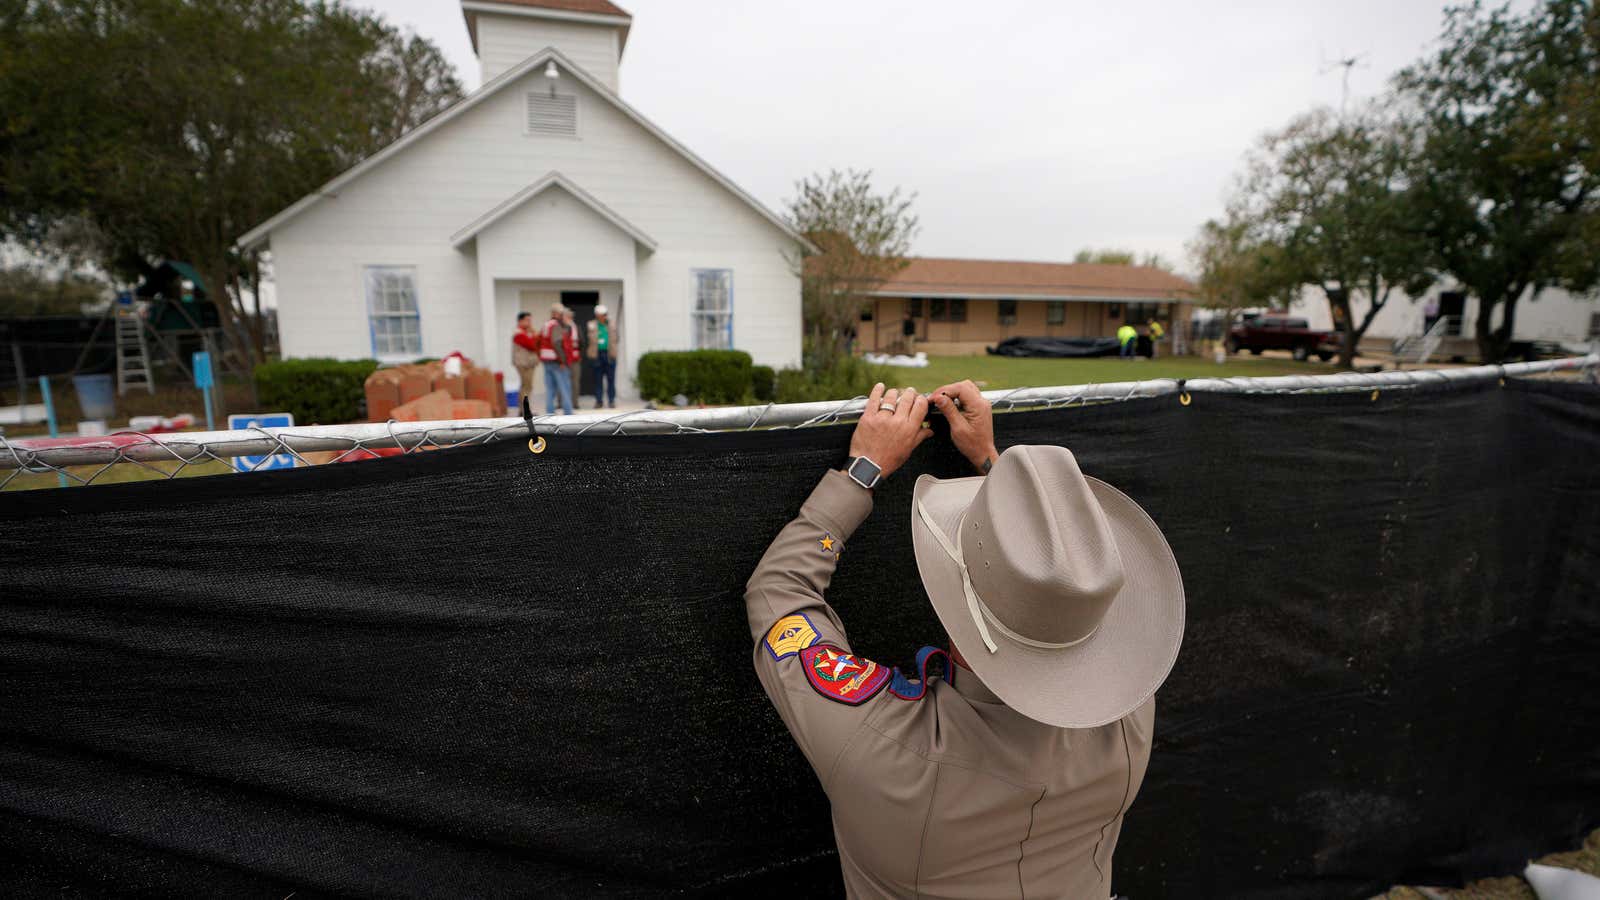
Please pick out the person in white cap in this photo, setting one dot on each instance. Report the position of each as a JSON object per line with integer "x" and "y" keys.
{"x": 602, "y": 352}
{"x": 1008, "y": 776}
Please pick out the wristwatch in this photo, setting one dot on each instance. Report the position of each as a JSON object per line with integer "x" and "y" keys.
{"x": 863, "y": 471}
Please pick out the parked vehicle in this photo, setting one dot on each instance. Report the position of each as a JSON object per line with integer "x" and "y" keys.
{"x": 1275, "y": 332}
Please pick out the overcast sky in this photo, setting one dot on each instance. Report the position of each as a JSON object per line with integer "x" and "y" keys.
{"x": 1027, "y": 128}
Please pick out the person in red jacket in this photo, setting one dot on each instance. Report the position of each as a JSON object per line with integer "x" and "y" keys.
{"x": 558, "y": 350}
{"x": 525, "y": 354}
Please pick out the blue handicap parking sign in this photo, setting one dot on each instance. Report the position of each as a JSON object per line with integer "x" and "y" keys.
{"x": 262, "y": 420}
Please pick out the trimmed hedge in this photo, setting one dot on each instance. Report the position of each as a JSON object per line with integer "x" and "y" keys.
{"x": 316, "y": 391}
{"x": 763, "y": 383}
{"x": 849, "y": 377}
{"x": 704, "y": 376}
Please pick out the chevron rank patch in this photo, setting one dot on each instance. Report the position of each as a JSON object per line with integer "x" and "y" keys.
{"x": 789, "y": 635}
{"x": 842, "y": 676}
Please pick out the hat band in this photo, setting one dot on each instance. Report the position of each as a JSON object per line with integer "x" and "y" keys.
{"x": 982, "y": 615}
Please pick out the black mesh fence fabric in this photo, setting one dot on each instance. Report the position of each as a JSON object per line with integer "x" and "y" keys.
{"x": 483, "y": 672}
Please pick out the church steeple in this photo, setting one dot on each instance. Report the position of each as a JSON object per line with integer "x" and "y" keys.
{"x": 592, "y": 33}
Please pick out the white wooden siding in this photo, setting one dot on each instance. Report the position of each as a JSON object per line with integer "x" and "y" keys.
{"x": 553, "y": 237}
{"x": 504, "y": 41}
{"x": 404, "y": 211}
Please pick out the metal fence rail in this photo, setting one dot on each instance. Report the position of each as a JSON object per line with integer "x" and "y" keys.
{"x": 359, "y": 441}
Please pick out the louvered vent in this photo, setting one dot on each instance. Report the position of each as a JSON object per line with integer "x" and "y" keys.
{"x": 552, "y": 114}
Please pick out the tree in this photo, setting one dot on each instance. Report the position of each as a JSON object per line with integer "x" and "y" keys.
{"x": 152, "y": 129}
{"x": 862, "y": 238}
{"x": 33, "y": 291}
{"x": 1332, "y": 194}
{"x": 1112, "y": 256}
{"x": 1507, "y": 177}
{"x": 1237, "y": 269}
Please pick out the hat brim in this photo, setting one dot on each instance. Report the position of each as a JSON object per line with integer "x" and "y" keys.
{"x": 1100, "y": 680}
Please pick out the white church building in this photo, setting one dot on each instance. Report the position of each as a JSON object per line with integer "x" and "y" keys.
{"x": 541, "y": 186}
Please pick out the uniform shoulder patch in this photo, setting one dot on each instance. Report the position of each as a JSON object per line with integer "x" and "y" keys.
{"x": 842, "y": 676}
{"x": 789, "y": 635}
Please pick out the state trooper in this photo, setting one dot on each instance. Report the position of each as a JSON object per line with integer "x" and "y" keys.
{"x": 1010, "y": 774}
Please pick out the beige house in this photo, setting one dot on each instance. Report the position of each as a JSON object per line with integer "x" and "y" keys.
{"x": 964, "y": 305}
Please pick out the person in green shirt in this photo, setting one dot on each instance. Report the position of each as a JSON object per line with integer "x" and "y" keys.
{"x": 1128, "y": 337}
{"x": 602, "y": 353}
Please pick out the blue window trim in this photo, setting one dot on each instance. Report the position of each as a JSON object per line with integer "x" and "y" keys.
{"x": 694, "y": 314}
{"x": 372, "y": 331}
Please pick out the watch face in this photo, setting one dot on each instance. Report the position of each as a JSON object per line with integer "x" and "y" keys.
{"x": 865, "y": 471}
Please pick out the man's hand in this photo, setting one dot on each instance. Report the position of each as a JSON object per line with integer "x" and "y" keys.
{"x": 971, "y": 422}
{"x": 890, "y": 427}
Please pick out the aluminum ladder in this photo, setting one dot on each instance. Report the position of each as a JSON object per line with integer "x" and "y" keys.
{"x": 133, "y": 354}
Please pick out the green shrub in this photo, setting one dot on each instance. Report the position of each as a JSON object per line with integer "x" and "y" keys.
{"x": 316, "y": 391}
{"x": 763, "y": 383}
{"x": 847, "y": 378}
{"x": 704, "y": 376}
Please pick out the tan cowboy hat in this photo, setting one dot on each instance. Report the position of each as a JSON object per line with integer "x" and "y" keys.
{"x": 1060, "y": 593}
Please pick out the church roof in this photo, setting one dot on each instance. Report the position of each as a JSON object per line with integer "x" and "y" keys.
{"x": 937, "y": 276}
{"x": 261, "y": 233}
{"x": 595, "y": 7}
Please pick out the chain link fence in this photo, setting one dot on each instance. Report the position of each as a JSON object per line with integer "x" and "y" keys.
{"x": 126, "y": 456}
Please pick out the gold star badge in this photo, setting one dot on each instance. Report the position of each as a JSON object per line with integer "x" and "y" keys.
{"x": 827, "y": 543}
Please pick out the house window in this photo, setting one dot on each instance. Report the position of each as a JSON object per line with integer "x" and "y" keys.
{"x": 713, "y": 309}
{"x": 942, "y": 310}
{"x": 1140, "y": 313}
{"x": 552, "y": 113}
{"x": 1008, "y": 312}
{"x": 914, "y": 307}
{"x": 1055, "y": 312}
{"x": 1594, "y": 326}
{"x": 392, "y": 312}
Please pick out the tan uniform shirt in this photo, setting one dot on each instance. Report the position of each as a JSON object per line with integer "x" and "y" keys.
{"x": 938, "y": 789}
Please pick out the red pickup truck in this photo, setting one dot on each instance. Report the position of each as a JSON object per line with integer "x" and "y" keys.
{"x": 1273, "y": 332}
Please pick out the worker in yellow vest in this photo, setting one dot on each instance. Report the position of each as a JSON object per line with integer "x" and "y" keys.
{"x": 1127, "y": 337}
{"x": 1156, "y": 332}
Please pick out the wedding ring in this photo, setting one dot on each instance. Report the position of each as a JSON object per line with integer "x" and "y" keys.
{"x": 886, "y": 407}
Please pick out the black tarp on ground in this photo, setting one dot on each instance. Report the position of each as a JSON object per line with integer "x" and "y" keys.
{"x": 1056, "y": 347}
{"x": 487, "y": 673}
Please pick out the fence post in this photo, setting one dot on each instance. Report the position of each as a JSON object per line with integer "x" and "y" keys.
{"x": 50, "y": 419}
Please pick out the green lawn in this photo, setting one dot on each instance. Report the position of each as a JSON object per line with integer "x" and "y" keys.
{"x": 1000, "y": 372}
{"x": 29, "y": 481}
